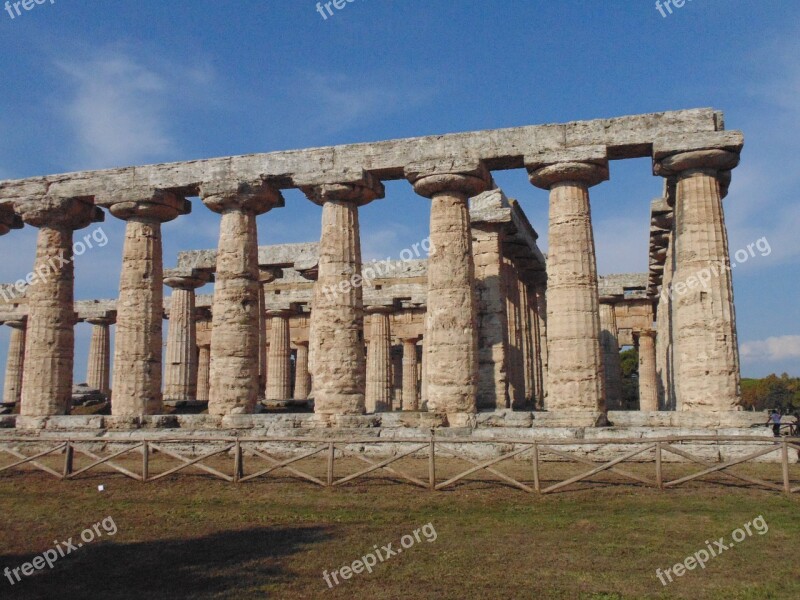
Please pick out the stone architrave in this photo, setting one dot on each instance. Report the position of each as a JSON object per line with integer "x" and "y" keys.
{"x": 451, "y": 338}
{"x": 8, "y": 218}
{"x": 379, "y": 362}
{"x": 410, "y": 395}
{"x": 140, "y": 308}
{"x": 180, "y": 374}
{"x": 648, "y": 380}
{"x": 234, "y": 369}
{"x": 50, "y": 335}
{"x": 279, "y": 357}
{"x": 575, "y": 370}
{"x": 12, "y": 392}
{"x": 612, "y": 364}
{"x": 98, "y": 368}
{"x": 336, "y": 346}
{"x": 706, "y": 355}
{"x": 302, "y": 380}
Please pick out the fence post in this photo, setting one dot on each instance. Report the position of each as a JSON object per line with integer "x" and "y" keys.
{"x": 536, "y": 483}
{"x": 659, "y": 476}
{"x": 68, "y": 457}
{"x": 787, "y": 487}
{"x": 238, "y": 462}
{"x": 432, "y": 463}
{"x": 331, "y": 455}
{"x": 145, "y": 461}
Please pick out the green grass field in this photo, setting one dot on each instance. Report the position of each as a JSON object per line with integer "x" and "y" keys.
{"x": 191, "y": 536}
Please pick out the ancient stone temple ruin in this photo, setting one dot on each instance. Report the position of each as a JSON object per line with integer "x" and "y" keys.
{"x": 476, "y": 326}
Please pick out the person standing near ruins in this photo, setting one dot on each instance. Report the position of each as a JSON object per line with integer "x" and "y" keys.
{"x": 775, "y": 419}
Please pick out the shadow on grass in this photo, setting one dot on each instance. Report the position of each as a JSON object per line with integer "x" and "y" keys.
{"x": 223, "y": 565}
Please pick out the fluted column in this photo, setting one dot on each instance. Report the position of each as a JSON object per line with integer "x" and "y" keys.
{"x": 423, "y": 378}
{"x": 12, "y": 393}
{"x": 451, "y": 338}
{"x": 337, "y": 315}
{"x": 665, "y": 329}
{"x": 527, "y": 327}
{"x": 279, "y": 357}
{"x": 706, "y": 354}
{"x": 410, "y": 396}
{"x": 203, "y": 372}
{"x": 138, "y": 338}
{"x": 515, "y": 358}
{"x": 302, "y": 383}
{"x": 538, "y": 303}
{"x": 612, "y": 364}
{"x": 98, "y": 369}
{"x": 180, "y": 375}
{"x": 235, "y": 312}
{"x": 50, "y": 336}
{"x": 575, "y": 376}
{"x": 379, "y": 361}
{"x": 648, "y": 380}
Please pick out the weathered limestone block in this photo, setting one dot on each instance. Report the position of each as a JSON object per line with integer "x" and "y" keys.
{"x": 234, "y": 366}
{"x": 487, "y": 253}
{"x": 706, "y": 355}
{"x": 302, "y": 380}
{"x": 279, "y": 382}
{"x": 8, "y": 219}
{"x": 609, "y": 343}
{"x": 98, "y": 369}
{"x": 336, "y": 342}
{"x": 378, "y": 396}
{"x": 451, "y": 339}
{"x": 50, "y": 337}
{"x": 575, "y": 370}
{"x": 12, "y": 392}
{"x": 138, "y": 336}
{"x": 410, "y": 395}
{"x": 648, "y": 380}
{"x": 180, "y": 373}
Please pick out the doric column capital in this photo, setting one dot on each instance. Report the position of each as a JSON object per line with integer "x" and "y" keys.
{"x": 361, "y": 190}
{"x": 586, "y": 165}
{"x": 59, "y": 212}
{"x": 187, "y": 279}
{"x": 284, "y": 313}
{"x": 257, "y": 196}
{"x": 433, "y": 177}
{"x": 8, "y": 218}
{"x": 411, "y": 340}
{"x": 648, "y": 333}
{"x": 269, "y": 274}
{"x": 712, "y": 151}
{"x": 378, "y": 309}
{"x": 109, "y": 319}
{"x": 18, "y": 323}
{"x": 147, "y": 204}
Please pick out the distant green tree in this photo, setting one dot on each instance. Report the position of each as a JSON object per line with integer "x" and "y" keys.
{"x": 630, "y": 379}
{"x": 770, "y": 392}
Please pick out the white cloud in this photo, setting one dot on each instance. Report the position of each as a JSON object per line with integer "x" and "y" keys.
{"x": 773, "y": 348}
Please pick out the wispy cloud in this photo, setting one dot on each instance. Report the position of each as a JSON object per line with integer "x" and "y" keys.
{"x": 772, "y": 349}
{"x": 120, "y": 108}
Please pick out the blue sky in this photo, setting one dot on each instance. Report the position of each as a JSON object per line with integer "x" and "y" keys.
{"x": 90, "y": 85}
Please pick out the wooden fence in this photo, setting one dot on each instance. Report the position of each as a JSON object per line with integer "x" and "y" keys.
{"x": 533, "y": 453}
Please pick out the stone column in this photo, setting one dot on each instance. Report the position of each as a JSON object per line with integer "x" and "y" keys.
{"x": 487, "y": 252}
{"x": 50, "y": 335}
{"x": 98, "y": 369}
{"x": 15, "y": 360}
{"x": 140, "y": 308}
{"x": 235, "y": 312}
{"x": 451, "y": 339}
{"x": 203, "y": 371}
{"x": 665, "y": 333}
{"x": 180, "y": 375}
{"x": 279, "y": 357}
{"x": 302, "y": 382}
{"x": 527, "y": 328}
{"x": 609, "y": 342}
{"x": 575, "y": 373}
{"x": 379, "y": 362}
{"x": 337, "y": 314}
{"x": 515, "y": 352}
{"x": 538, "y": 303}
{"x": 423, "y": 378}
{"x": 648, "y": 381}
{"x": 410, "y": 398}
{"x": 706, "y": 355}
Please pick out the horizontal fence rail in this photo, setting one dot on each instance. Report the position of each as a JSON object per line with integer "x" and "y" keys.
{"x": 251, "y": 450}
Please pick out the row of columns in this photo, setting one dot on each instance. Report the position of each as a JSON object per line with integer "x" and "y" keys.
{"x": 576, "y": 373}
